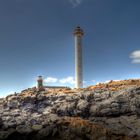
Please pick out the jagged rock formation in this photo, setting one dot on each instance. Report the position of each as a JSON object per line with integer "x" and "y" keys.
{"x": 103, "y": 112}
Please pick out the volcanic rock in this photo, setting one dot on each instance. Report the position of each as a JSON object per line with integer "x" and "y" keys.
{"x": 108, "y": 111}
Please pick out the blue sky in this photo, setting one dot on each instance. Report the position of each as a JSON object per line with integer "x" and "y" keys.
{"x": 36, "y": 38}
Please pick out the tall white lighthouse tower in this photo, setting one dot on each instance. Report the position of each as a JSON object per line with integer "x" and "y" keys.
{"x": 78, "y": 33}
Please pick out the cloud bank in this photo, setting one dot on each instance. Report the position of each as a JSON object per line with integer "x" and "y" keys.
{"x": 50, "y": 80}
{"x": 135, "y": 56}
{"x": 67, "y": 80}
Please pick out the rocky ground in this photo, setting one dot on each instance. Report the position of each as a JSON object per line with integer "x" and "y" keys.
{"x": 108, "y": 111}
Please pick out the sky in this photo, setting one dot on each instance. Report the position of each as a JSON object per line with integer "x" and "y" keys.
{"x": 36, "y": 38}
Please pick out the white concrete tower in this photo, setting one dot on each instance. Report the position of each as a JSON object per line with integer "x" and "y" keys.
{"x": 78, "y": 33}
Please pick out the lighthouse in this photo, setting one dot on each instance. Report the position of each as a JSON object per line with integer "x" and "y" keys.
{"x": 78, "y": 34}
{"x": 40, "y": 86}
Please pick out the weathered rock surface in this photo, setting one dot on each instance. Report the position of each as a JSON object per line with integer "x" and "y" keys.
{"x": 103, "y": 112}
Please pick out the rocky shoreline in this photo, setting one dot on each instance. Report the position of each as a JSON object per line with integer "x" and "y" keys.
{"x": 104, "y": 112}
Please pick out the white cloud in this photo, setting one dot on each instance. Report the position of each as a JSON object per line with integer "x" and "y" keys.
{"x": 105, "y": 82}
{"x": 135, "y": 56}
{"x": 6, "y": 94}
{"x": 50, "y": 80}
{"x": 75, "y": 3}
{"x": 136, "y": 61}
{"x": 67, "y": 80}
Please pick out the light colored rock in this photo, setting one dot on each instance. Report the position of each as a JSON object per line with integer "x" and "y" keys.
{"x": 82, "y": 104}
{"x": 23, "y": 129}
{"x": 37, "y": 127}
{"x": 94, "y": 109}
